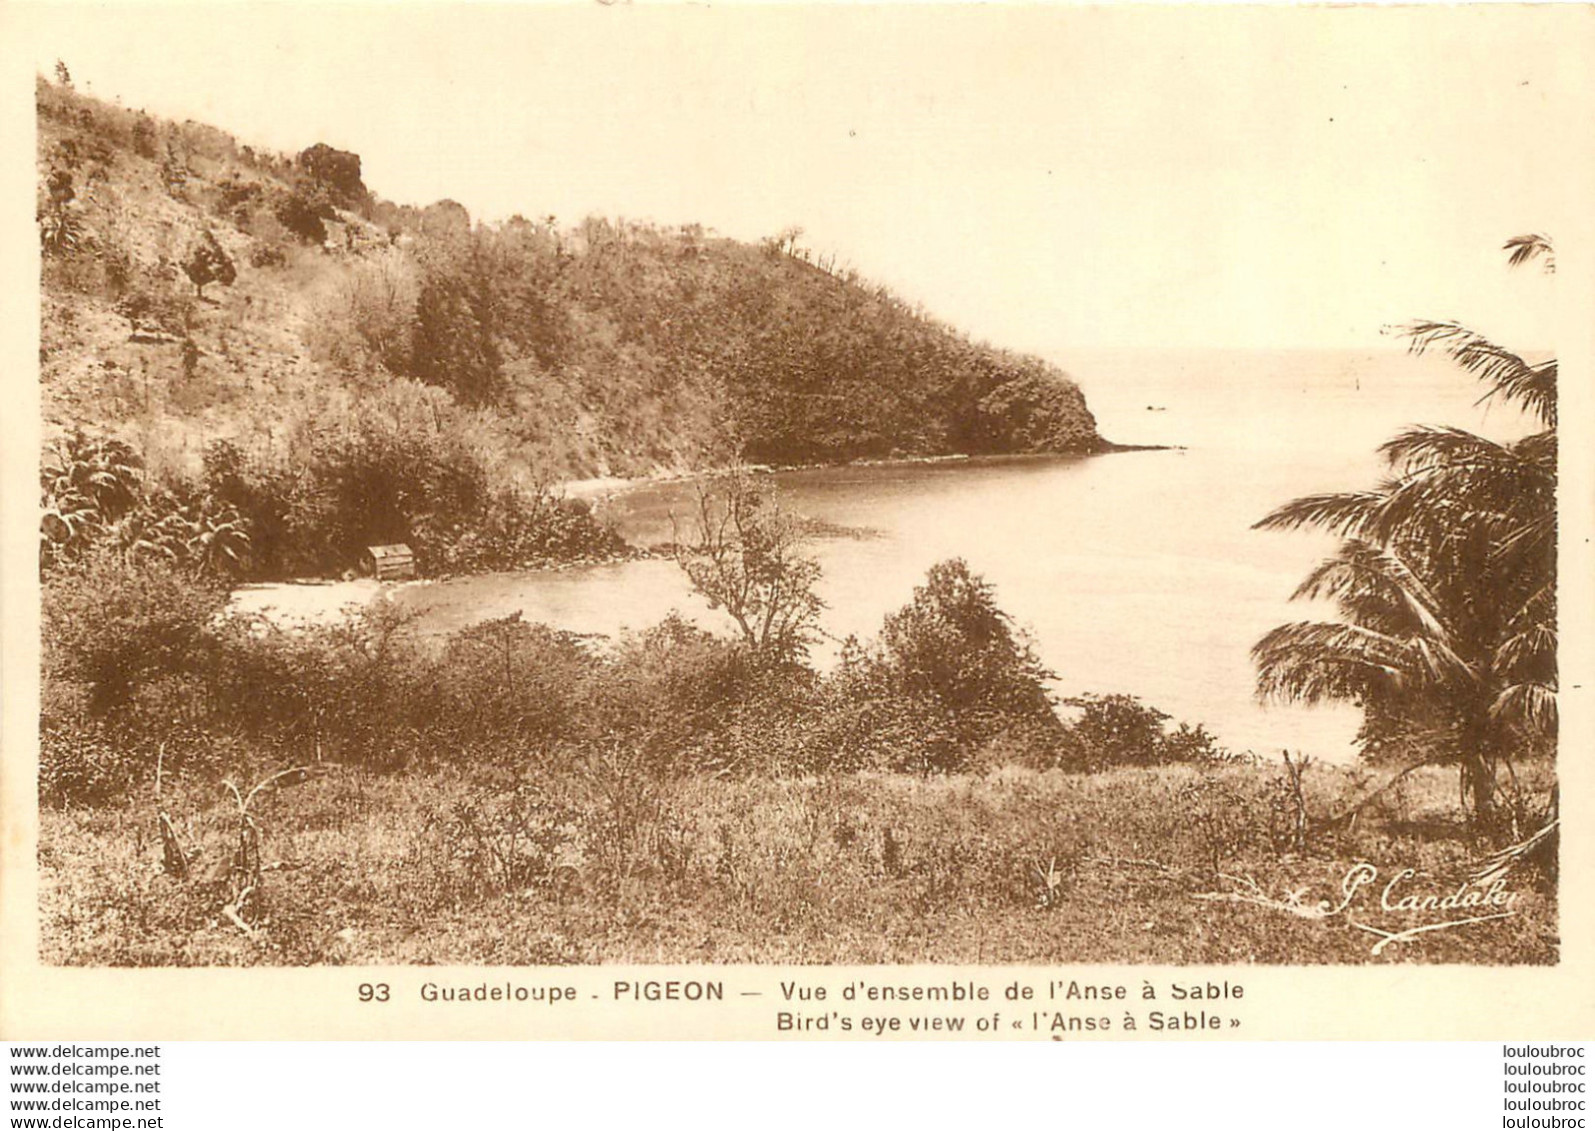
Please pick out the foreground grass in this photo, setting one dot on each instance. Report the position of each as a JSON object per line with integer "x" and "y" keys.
{"x": 609, "y": 866}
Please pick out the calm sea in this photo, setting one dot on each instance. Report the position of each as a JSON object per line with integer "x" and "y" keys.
{"x": 1134, "y": 572}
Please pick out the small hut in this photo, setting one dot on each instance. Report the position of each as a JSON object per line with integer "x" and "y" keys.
{"x": 390, "y": 563}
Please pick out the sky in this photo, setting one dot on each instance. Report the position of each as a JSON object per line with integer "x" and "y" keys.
{"x": 1046, "y": 178}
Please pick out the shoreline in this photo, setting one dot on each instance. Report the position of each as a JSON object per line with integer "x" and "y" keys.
{"x": 323, "y": 600}
{"x": 600, "y": 488}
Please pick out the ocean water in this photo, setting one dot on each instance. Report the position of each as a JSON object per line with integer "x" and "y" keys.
{"x": 1133, "y": 572}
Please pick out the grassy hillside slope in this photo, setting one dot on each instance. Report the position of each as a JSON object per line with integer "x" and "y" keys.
{"x": 607, "y": 348}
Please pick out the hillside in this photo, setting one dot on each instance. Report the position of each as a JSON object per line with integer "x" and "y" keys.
{"x": 196, "y": 291}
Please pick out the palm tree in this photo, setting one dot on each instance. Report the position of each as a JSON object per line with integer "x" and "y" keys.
{"x": 1445, "y": 582}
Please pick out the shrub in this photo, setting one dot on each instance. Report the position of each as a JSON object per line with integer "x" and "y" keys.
{"x": 364, "y": 320}
{"x": 82, "y": 763}
{"x": 87, "y": 482}
{"x": 354, "y": 691}
{"x": 677, "y": 687}
{"x": 114, "y": 625}
{"x": 94, "y": 494}
{"x": 208, "y": 262}
{"x": 454, "y": 343}
{"x": 1120, "y": 730}
{"x": 145, "y": 142}
{"x": 774, "y": 724}
{"x": 867, "y": 720}
{"x": 61, "y": 231}
{"x": 303, "y": 217}
{"x": 267, "y": 255}
{"x": 373, "y": 473}
{"x": 188, "y": 530}
{"x": 151, "y": 304}
{"x": 1220, "y": 820}
{"x": 504, "y": 688}
{"x": 516, "y": 529}
{"x": 101, "y": 761}
{"x": 1114, "y": 730}
{"x": 238, "y": 197}
{"x": 264, "y": 498}
{"x": 404, "y": 464}
{"x": 1195, "y": 744}
{"x": 506, "y": 840}
{"x": 394, "y": 462}
{"x": 174, "y": 169}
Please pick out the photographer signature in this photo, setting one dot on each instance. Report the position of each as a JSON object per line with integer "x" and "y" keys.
{"x": 1401, "y": 896}
{"x": 1470, "y": 902}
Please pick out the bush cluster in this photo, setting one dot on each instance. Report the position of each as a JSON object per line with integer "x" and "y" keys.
{"x": 404, "y": 465}
{"x": 1120, "y": 730}
{"x": 140, "y": 665}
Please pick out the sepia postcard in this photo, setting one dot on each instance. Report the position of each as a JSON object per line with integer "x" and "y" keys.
{"x": 797, "y": 522}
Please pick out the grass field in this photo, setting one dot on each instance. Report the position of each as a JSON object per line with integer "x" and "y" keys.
{"x": 606, "y": 865}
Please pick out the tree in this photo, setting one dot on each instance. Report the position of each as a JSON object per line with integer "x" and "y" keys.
{"x": 143, "y": 135}
{"x": 1034, "y": 411}
{"x": 209, "y": 263}
{"x": 1445, "y": 582}
{"x": 60, "y": 227}
{"x": 745, "y": 555}
{"x": 303, "y": 217}
{"x": 951, "y": 646}
{"x": 454, "y": 342}
{"x": 337, "y": 171}
{"x": 1116, "y": 730}
{"x": 174, "y": 169}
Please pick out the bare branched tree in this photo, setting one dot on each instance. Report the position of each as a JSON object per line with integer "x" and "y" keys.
{"x": 745, "y": 556}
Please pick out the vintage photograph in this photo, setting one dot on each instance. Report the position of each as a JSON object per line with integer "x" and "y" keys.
{"x": 693, "y": 485}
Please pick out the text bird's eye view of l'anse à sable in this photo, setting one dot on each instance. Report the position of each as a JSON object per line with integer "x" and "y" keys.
{"x": 572, "y": 485}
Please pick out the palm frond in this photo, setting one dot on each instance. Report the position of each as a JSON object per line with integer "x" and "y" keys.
{"x": 1343, "y": 512}
{"x": 1528, "y": 651}
{"x": 1533, "y": 646}
{"x": 1531, "y": 385}
{"x": 1425, "y": 446}
{"x": 1539, "y": 449}
{"x": 1375, "y": 588}
{"x": 1490, "y": 492}
{"x": 1525, "y": 249}
{"x": 1311, "y": 662}
{"x": 1538, "y": 850}
{"x": 1531, "y": 707}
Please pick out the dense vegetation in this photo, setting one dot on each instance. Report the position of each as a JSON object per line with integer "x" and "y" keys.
{"x": 141, "y": 671}
{"x": 331, "y": 369}
{"x": 255, "y": 367}
{"x": 393, "y": 471}
{"x": 513, "y": 794}
{"x": 508, "y": 793}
